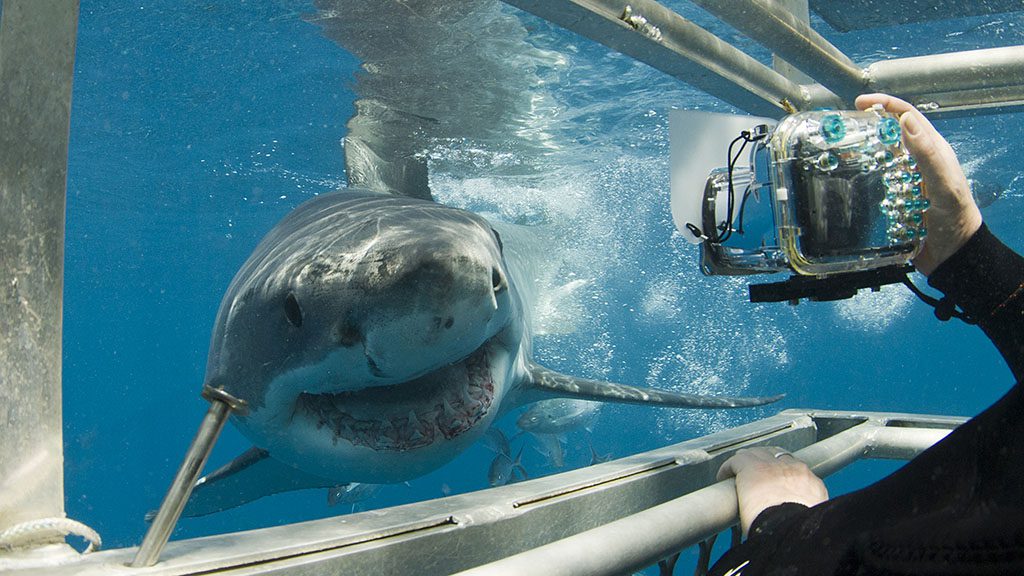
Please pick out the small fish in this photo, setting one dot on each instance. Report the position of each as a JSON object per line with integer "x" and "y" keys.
{"x": 596, "y": 458}
{"x": 558, "y": 416}
{"x": 550, "y": 446}
{"x": 352, "y": 493}
{"x": 497, "y": 442}
{"x": 503, "y": 469}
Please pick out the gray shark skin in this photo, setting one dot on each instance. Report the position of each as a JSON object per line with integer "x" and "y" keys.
{"x": 376, "y": 337}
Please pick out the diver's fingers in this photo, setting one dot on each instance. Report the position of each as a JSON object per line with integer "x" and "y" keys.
{"x": 936, "y": 160}
{"x": 743, "y": 458}
{"x": 953, "y": 217}
{"x": 935, "y": 157}
{"x": 890, "y": 103}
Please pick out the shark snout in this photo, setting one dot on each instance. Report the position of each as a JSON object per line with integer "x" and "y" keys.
{"x": 429, "y": 318}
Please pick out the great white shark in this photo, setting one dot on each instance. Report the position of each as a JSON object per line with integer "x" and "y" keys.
{"x": 376, "y": 337}
{"x": 374, "y": 333}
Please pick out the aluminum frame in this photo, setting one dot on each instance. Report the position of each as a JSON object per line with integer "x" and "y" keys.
{"x": 605, "y": 519}
{"x": 953, "y": 84}
{"x": 37, "y": 47}
{"x": 610, "y": 518}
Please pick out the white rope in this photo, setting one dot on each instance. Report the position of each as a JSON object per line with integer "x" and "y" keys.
{"x": 45, "y": 530}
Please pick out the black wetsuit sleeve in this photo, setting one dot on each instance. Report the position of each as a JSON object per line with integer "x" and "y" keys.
{"x": 986, "y": 279}
{"x": 958, "y": 508}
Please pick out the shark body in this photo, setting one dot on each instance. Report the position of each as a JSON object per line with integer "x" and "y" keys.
{"x": 376, "y": 337}
{"x": 374, "y": 333}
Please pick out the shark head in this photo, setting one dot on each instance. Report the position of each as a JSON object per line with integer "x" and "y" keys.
{"x": 372, "y": 336}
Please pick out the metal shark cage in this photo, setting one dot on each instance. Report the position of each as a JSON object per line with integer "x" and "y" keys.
{"x": 610, "y": 518}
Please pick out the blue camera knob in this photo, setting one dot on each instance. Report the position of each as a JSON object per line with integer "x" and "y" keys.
{"x": 889, "y": 131}
{"x": 833, "y": 129}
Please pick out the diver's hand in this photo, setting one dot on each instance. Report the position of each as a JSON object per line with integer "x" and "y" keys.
{"x": 766, "y": 477}
{"x": 953, "y": 216}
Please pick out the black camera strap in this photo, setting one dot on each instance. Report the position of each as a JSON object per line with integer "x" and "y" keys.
{"x": 944, "y": 307}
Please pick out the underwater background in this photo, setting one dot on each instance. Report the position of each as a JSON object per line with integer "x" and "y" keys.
{"x": 197, "y": 125}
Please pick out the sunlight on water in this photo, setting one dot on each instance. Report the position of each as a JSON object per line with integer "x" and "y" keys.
{"x": 608, "y": 207}
{"x": 875, "y": 311}
{"x": 722, "y": 351}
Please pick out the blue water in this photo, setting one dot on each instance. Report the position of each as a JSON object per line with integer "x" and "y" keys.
{"x": 197, "y": 125}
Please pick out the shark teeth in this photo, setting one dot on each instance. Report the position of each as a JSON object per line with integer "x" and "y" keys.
{"x": 465, "y": 392}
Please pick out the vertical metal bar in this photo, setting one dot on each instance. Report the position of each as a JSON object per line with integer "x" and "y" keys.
{"x": 800, "y": 10}
{"x": 37, "y": 51}
{"x": 181, "y": 488}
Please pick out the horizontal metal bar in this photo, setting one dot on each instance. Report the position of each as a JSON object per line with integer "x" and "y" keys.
{"x": 627, "y": 513}
{"x": 971, "y": 102}
{"x": 895, "y": 419}
{"x": 641, "y": 539}
{"x": 659, "y": 37}
{"x": 485, "y": 525}
{"x": 631, "y": 543}
{"x": 787, "y": 36}
{"x": 952, "y": 72}
{"x": 902, "y": 443}
{"x": 954, "y": 84}
{"x": 864, "y": 14}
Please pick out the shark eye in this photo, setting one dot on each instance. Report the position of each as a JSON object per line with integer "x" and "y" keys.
{"x": 498, "y": 280}
{"x": 292, "y": 311}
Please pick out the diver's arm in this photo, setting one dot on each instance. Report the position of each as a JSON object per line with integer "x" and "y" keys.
{"x": 962, "y": 493}
{"x": 960, "y": 256}
{"x": 986, "y": 279}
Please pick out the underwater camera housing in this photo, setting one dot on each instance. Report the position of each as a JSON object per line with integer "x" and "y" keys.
{"x": 832, "y": 196}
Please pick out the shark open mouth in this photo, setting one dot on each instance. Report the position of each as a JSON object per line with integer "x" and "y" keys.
{"x": 413, "y": 414}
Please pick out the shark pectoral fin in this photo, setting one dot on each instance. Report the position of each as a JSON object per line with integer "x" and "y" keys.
{"x": 547, "y": 383}
{"x": 251, "y": 476}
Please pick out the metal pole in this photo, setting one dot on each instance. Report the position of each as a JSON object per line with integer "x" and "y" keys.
{"x": 896, "y": 443}
{"x": 37, "y": 52}
{"x": 655, "y": 35}
{"x": 971, "y": 102}
{"x": 639, "y": 540}
{"x": 221, "y": 405}
{"x": 787, "y": 36}
{"x": 800, "y": 9}
{"x": 990, "y": 68}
